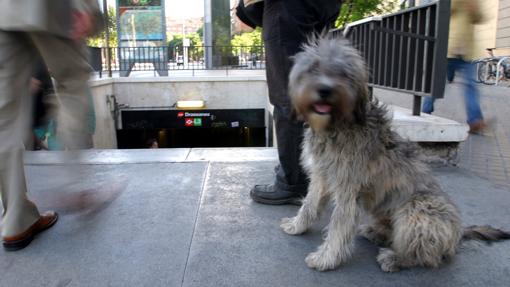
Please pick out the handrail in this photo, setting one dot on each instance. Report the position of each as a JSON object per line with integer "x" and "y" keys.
{"x": 405, "y": 51}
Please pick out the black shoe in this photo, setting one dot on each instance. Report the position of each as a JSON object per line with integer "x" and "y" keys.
{"x": 268, "y": 194}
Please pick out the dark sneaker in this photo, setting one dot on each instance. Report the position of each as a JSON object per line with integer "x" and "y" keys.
{"x": 268, "y": 194}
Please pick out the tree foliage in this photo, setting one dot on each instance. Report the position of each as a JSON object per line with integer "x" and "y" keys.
{"x": 353, "y": 10}
{"x": 100, "y": 40}
{"x": 248, "y": 42}
{"x": 196, "y": 49}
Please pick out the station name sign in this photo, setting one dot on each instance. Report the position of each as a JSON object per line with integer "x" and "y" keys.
{"x": 194, "y": 115}
{"x": 161, "y": 119}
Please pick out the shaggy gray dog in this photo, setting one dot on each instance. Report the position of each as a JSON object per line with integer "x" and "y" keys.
{"x": 354, "y": 158}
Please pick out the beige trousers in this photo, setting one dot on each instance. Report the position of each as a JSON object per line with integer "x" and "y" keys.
{"x": 67, "y": 62}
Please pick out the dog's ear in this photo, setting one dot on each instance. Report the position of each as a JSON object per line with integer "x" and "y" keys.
{"x": 360, "y": 108}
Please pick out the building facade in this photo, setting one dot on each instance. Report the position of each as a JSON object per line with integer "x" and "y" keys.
{"x": 494, "y": 32}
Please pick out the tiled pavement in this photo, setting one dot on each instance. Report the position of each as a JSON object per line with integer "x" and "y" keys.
{"x": 183, "y": 217}
{"x": 489, "y": 155}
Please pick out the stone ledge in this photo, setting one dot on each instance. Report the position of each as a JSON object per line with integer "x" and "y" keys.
{"x": 427, "y": 128}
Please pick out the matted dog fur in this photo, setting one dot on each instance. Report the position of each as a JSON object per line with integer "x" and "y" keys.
{"x": 354, "y": 159}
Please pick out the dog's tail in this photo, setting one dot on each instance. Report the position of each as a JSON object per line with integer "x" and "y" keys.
{"x": 484, "y": 233}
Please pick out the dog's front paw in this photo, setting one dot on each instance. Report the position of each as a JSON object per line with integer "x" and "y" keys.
{"x": 322, "y": 260}
{"x": 292, "y": 226}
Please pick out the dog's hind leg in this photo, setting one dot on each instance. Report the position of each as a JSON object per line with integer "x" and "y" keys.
{"x": 313, "y": 204}
{"x": 425, "y": 232}
{"x": 388, "y": 260}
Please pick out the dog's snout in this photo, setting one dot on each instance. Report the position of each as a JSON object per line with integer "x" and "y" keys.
{"x": 324, "y": 92}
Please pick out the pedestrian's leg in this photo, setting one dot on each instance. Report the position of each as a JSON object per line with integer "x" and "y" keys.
{"x": 428, "y": 105}
{"x": 16, "y": 60}
{"x": 67, "y": 61}
{"x": 451, "y": 70}
{"x": 471, "y": 94}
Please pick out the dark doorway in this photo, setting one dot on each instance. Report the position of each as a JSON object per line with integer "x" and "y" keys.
{"x": 180, "y": 129}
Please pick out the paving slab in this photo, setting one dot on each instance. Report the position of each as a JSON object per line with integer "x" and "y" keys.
{"x": 120, "y": 225}
{"x": 97, "y": 156}
{"x": 232, "y": 154}
{"x": 239, "y": 243}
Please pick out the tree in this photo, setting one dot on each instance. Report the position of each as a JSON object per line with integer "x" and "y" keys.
{"x": 353, "y": 10}
{"x": 175, "y": 46}
{"x": 248, "y": 42}
{"x": 200, "y": 32}
{"x": 100, "y": 40}
{"x": 196, "y": 49}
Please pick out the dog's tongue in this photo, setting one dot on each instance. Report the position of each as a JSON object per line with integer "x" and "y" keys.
{"x": 322, "y": 108}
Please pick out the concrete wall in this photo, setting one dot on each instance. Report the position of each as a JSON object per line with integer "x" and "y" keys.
{"x": 495, "y": 31}
{"x": 218, "y": 92}
{"x": 485, "y": 33}
{"x": 105, "y": 136}
{"x": 233, "y": 92}
{"x": 503, "y": 25}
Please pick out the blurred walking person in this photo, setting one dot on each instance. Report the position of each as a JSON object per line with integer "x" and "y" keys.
{"x": 55, "y": 30}
{"x": 465, "y": 14}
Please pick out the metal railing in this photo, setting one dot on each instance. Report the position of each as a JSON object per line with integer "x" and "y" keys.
{"x": 164, "y": 58}
{"x": 406, "y": 51}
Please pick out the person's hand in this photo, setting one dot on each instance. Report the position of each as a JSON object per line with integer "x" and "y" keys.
{"x": 82, "y": 25}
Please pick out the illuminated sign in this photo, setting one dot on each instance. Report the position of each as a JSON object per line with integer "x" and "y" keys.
{"x": 197, "y": 114}
{"x": 161, "y": 119}
{"x": 189, "y": 122}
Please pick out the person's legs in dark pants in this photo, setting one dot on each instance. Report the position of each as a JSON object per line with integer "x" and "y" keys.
{"x": 291, "y": 183}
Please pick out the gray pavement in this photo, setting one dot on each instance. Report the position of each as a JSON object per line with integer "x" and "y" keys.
{"x": 489, "y": 155}
{"x": 184, "y": 218}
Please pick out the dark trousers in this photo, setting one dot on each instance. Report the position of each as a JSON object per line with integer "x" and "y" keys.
{"x": 289, "y": 132}
{"x": 286, "y": 25}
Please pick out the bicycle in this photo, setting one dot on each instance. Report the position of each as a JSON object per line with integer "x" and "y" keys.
{"x": 492, "y": 70}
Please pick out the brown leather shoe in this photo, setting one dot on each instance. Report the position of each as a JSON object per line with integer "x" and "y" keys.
{"x": 17, "y": 242}
{"x": 477, "y": 127}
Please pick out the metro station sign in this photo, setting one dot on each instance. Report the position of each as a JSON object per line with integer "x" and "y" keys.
{"x": 167, "y": 119}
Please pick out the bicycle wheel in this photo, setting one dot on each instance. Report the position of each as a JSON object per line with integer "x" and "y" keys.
{"x": 489, "y": 72}
{"x": 480, "y": 71}
{"x": 485, "y": 73}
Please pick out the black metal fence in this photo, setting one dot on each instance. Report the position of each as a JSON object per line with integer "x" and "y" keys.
{"x": 164, "y": 58}
{"x": 406, "y": 51}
